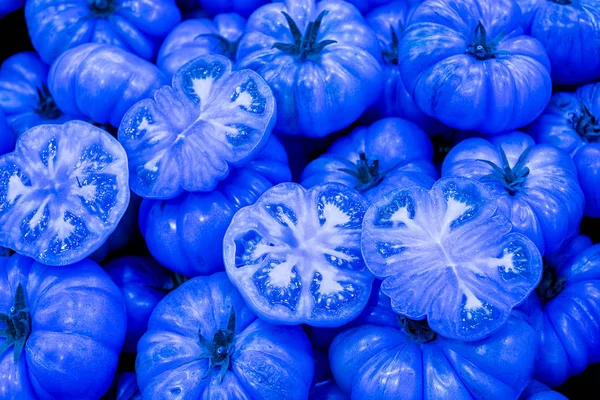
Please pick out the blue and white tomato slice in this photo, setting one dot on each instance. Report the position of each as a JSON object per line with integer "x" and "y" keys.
{"x": 295, "y": 255}
{"x": 62, "y": 192}
{"x": 445, "y": 254}
{"x": 188, "y": 136}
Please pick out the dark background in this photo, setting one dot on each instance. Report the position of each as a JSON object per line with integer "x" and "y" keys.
{"x": 14, "y": 39}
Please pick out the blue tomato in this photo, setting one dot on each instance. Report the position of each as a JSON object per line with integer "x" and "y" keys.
{"x": 8, "y": 6}
{"x": 143, "y": 283}
{"x": 366, "y": 5}
{"x": 189, "y": 135}
{"x": 185, "y": 234}
{"x": 196, "y": 37}
{"x": 321, "y": 60}
{"x": 127, "y": 388}
{"x": 63, "y": 197}
{"x": 448, "y": 255}
{"x": 536, "y": 185}
{"x": 569, "y": 30}
{"x": 7, "y": 136}
{"x": 389, "y": 22}
{"x": 24, "y": 95}
{"x": 295, "y": 255}
{"x": 538, "y": 391}
{"x": 100, "y": 82}
{"x": 242, "y": 7}
{"x": 203, "y": 342}
{"x": 571, "y": 122}
{"x": 327, "y": 390}
{"x": 565, "y": 311}
{"x": 137, "y": 26}
{"x": 472, "y": 68}
{"x": 61, "y": 330}
{"x": 407, "y": 360}
{"x": 374, "y": 160}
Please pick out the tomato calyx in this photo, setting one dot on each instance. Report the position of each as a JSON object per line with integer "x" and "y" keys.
{"x": 218, "y": 352}
{"x": 391, "y": 54}
{"x": 366, "y": 172}
{"x": 102, "y": 8}
{"x": 480, "y": 48}
{"x": 417, "y": 331}
{"x": 18, "y": 325}
{"x": 551, "y": 284}
{"x": 228, "y": 48}
{"x": 562, "y": 2}
{"x": 305, "y": 45}
{"x": 47, "y": 107}
{"x": 511, "y": 178}
{"x": 586, "y": 124}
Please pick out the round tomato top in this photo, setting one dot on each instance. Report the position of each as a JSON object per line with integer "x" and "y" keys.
{"x": 101, "y": 82}
{"x": 408, "y": 360}
{"x": 536, "y": 186}
{"x": 189, "y": 135}
{"x": 24, "y": 95}
{"x": 183, "y": 233}
{"x": 448, "y": 255}
{"x": 137, "y": 26}
{"x": 203, "y": 342}
{"x": 374, "y": 160}
{"x": 295, "y": 255}
{"x": 321, "y": 60}
{"x": 467, "y": 64}
{"x": 61, "y": 330}
{"x": 565, "y": 312}
{"x": 569, "y": 30}
{"x": 64, "y": 190}
{"x": 571, "y": 122}
{"x": 196, "y": 37}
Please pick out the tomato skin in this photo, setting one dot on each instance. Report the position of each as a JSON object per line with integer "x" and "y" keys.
{"x": 566, "y": 313}
{"x": 100, "y": 82}
{"x": 547, "y": 206}
{"x": 538, "y": 391}
{"x": 143, "y": 283}
{"x": 324, "y": 91}
{"x": 77, "y": 331}
{"x": 402, "y": 149}
{"x": 242, "y": 7}
{"x": 137, "y": 26}
{"x": 568, "y": 123}
{"x": 265, "y": 362}
{"x": 183, "y": 233}
{"x": 183, "y": 44}
{"x": 486, "y": 77}
{"x": 7, "y": 137}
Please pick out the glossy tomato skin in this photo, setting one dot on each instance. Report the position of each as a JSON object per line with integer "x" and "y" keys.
{"x": 564, "y": 311}
{"x": 401, "y": 149}
{"x": 7, "y": 136}
{"x": 384, "y": 362}
{"x": 63, "y": 196}
{"x": 24, "y": 95}
{"x": 487, "y": 77}
{"x": 137, "y": 26}
{"x": 143, "y": 283}
{"x": 191, "y": 134}
{"x": 538, "y": 391}
{"x": 569, "y": 123}
{"x": 265, "y": 361}
{"x": 569, "y": 31}
{"x": 542, "y": 199}
{"x": 185, "y": 234}
{"x": 101, "y": 82}
{"x": 326, "y": 87}
{"x": 196, "y": 37}
{"x": 242, "y": 7}
{"x": 78, "y": 326}
{"x": 395, "y": 100}
{"x": 295, "y": 255}
{"x": 8, "y": 6}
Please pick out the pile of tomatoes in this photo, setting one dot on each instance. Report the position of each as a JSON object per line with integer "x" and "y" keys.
{"x": 253, "y": 199}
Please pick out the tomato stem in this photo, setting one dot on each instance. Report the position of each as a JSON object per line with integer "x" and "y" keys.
{"x": 218, "y": 352}
{"x": 391, "y": 54}
{"x": 228, "y": 48}
{"x": 366, "y": 172}
{"x": 513, "y": 178}
{"x": 18, "y": 325}
{"x": 102, "y": 8}
{"x": 551, "y": 284}
{"x": 47, "y": 108}
{"x": 586, "y": 124}
{"x": 417, "y": 331}
{"x": 480, "y": 48}
{"x": 306, "y": 45}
